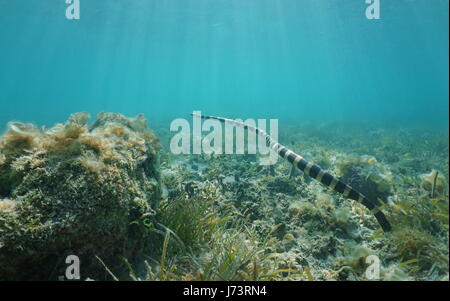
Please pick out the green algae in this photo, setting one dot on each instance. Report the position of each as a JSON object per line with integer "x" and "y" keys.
{"x": 66, "y": 204}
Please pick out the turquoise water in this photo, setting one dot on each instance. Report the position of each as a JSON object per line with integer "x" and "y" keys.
{"x": 296, "y": 60}
{"x": 364, "y": 101}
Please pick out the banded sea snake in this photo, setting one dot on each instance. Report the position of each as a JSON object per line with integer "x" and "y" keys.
{"x": 313, "y": 171}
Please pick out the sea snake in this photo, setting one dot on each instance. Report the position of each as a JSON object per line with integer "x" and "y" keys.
{"x": 313, "y": 171}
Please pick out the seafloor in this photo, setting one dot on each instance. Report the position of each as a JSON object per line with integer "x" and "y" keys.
{"x": 100, "y": 189}
{"x": 300, "y": 230}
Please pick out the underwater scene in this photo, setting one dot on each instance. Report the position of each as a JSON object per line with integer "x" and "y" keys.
{"x": 224, "y": 140}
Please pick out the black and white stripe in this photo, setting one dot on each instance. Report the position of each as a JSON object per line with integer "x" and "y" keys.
{"x": 314, "y": 171}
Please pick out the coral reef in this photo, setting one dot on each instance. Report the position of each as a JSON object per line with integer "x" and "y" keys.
{"x": 75, "y": 189}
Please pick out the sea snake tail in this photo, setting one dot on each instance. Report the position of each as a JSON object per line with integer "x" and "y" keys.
{"x": 313, "y": 171}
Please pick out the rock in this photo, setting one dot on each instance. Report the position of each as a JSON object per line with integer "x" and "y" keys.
{"x": 75, "y": 190}
{"x": 367, "y": 175}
